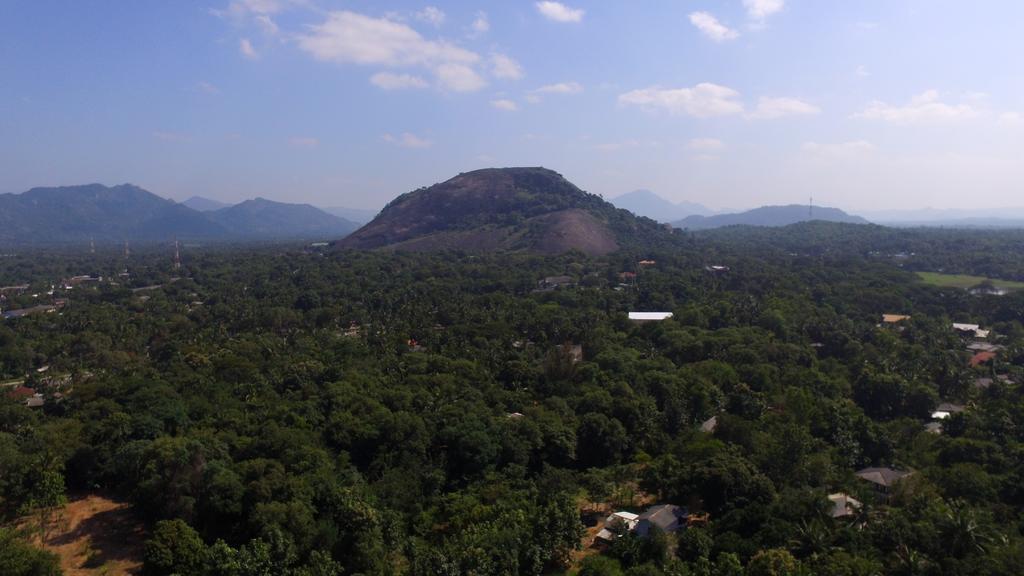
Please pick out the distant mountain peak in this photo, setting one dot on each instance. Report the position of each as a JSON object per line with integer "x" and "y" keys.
{"x": 770, "y": 216}
{"x": 204, "y": 204}
{"x": 260, "y": 217}
{"x": 646, "y": 203}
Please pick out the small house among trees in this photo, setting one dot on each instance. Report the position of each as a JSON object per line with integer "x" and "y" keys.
{"x": 666, "y": 517}
{"x": 649, "y": 316}
{"x": 843, "y": 505}
{"x": 883, "y": 479}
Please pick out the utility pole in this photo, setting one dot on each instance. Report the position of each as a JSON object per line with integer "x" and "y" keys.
{"x": 177, "y": 255}
{"x": 127, "y": 252}
{"x": 810, "y": 209}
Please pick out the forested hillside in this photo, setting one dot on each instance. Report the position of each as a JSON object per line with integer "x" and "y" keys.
{"x": 281, "y": 411}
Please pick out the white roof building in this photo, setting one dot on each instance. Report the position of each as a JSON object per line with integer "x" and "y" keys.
{"x": 649, "y": 316}
{"x": 627, "y": 519}
{"x": 976, "y": 329}
{"x": 843, "y": 505}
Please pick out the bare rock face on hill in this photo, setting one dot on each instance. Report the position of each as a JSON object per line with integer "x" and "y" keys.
{"x": 516, "y": 209}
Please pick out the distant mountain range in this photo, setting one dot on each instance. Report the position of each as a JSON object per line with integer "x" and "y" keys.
{"x": 985, "y": 223}
{"x": 529, "y": 209}
{"x": 262, "y": 218}
{"x": 769, "y": 216}
{"x": 127, "y": 212}
{"x": 200, "y": 204}
{"x": 356, "y": 215}
{"x": 649, "y": 204}
{"x": 515, "y": 209}
{"x": 949, "y": 218}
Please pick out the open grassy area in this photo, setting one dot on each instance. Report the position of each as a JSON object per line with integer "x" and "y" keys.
{"x": 964, "y": 281}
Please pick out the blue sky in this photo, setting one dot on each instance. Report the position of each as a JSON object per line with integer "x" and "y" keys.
{"x": 868, "y": 104}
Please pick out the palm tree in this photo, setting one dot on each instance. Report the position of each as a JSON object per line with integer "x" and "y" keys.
{"x": 962, "y": 532}
{"x": 812, "y": 539}
{"x": 910, "y": 562}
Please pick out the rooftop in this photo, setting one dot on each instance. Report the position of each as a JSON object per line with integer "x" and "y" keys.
{"x": 666, "y": 517}
{"x": 843, "y": 504}
{"x": 649, "y": 316}
{"x": 981, "y": 358}
{"x": 894, "y": 318}
{"x": 882, "y": 476}
{"x": 709, "y": 425}
{"x": 974, "y": 328}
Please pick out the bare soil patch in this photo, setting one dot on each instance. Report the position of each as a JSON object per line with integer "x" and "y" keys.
{"x": 92, "y": 535}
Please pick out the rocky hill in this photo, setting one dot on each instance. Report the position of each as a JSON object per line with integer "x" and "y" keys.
{"x": 517, "y": 209}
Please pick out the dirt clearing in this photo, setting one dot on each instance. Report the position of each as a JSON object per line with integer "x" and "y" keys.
{"x": 92, "y": 535}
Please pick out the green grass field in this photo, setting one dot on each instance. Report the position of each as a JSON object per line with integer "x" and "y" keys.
{"x": 965, "y": 282}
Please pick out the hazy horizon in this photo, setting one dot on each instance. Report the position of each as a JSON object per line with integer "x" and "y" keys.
{"x": 872, "y": 107}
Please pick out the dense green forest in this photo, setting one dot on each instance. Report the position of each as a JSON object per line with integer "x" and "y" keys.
{"x": 276, "y": 410}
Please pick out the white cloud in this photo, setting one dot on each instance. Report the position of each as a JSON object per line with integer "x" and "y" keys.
{"x": 245, "y": 47}
{"x": 979, "y": 97}
{"x": 170, "y": 136}
{"x": 505, "y": 67}
{"x": 559, "y": 12}
{"x": 241, "y": 9}
{"x": 560, "y": 88}
{"x": 925, "y": 108}
{"x": 505, "y": 104}
{"x": 702, "y": 101}
{"x": 303, "y": 142}
{"x": 268, "y": 25}
{"x": 459, "y": 78}
{"x": 350, "y": 38}
{"x": 407, "y": 140}
{"x": 772, "y": 108}
{"x": 704, "y": 157}
{"x": 712, "y": 28}
{"x": 1011, "y": 119}
{"x": 260, "y": 12}
{"x": 862, "y": 71}
{"x": 758, "y": 10}
{"x": 535, "y": 96}
{"x": 706, "y": 144}
{"x": 260, "y": 6}
{"x": 431, "y": 15}
{"x": 838, "y": 151}
{"x": 481, "y": 24}
{"x": 391, "y": 81}
{"x": 629, "y": 144}
{"x": 207, "y": 88}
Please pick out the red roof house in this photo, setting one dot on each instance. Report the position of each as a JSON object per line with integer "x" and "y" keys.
{"x": 981, "y": 358}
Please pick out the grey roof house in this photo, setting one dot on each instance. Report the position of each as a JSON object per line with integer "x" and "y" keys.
{"x": 883, "y": 478}
{"x": 667, "y": 517}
